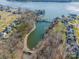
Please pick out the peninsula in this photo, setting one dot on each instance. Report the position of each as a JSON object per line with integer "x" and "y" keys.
{"x": 15, "y": 25}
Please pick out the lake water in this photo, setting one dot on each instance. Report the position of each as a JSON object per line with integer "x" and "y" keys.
{"x": 52, "y": 9}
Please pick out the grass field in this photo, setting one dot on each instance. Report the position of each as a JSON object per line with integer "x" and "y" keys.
{"x": 6, "y": 18}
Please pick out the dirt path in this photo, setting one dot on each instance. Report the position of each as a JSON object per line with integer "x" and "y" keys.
{"x": 26, "y": 49}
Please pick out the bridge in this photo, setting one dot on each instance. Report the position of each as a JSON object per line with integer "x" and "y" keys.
{"x": 47, "y": 21}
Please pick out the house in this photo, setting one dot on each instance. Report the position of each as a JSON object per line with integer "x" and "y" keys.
{"x": 8, "y": 29}
{"x": 4, "y": 35}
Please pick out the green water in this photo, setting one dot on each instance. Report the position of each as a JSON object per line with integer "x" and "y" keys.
{"x": 37, "y": 35}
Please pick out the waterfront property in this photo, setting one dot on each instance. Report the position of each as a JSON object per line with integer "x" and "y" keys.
{"x": 8, "y": 20}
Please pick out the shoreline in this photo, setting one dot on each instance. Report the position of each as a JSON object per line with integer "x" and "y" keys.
{"x": 26, "y": 49}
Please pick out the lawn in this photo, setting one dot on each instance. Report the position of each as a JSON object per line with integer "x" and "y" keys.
{"x": 6, "y": 18}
